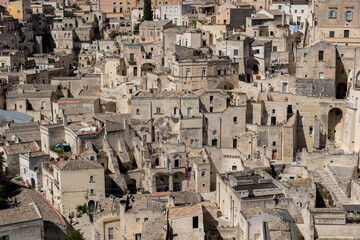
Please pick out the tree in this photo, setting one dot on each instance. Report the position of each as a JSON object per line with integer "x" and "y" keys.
{"x": 75, "y": 6}
{"x": 148, "y": 14}
{"x": 73, "y": 234}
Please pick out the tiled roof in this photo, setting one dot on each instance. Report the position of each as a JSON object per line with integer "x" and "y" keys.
{"x": 77, "y": 164}
{"x": 21, "y": 148}
{"x": 18, "y": 215}
{"x": 190, "y": 210}
{"x": 185, "y": 197}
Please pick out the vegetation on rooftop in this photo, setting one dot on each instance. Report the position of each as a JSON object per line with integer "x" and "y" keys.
{"x": 75, "y": 6}
{"x": 69, "y": 14}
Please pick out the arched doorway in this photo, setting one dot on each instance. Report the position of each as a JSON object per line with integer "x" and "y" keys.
{"x": 225, "y": 85}
{"x": 341, "y": 90}
{"x": 147, "y": 67}
{"x": 91, "y": 206}
{"x": 33, "y": 184}
{"x": 335, "y": 124}
{"x": 162, "y": 183}
{"x": 131, "y": 186}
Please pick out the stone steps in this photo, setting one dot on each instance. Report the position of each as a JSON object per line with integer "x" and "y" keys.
{"x": 333, "y": 187}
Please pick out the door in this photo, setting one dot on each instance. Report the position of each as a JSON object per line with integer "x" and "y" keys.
{"x": 214, "y": 143}
{"x": 234, "y": 143}
{"x": 135, "y": 71}
{"x": 274, "y": 155}
{"x": 273, "y": 120}
{"x": 33, "y": 183}
{"x": 346, "y": 33}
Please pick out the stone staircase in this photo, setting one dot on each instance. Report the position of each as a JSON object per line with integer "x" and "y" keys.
{"x": 332, "y": 185}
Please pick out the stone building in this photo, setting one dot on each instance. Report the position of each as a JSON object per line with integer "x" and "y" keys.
{"x": 21, "y": 223}
{"x": 31, "y": 166}
{"x": 70, "y": 183}
{"x": 337, "y": 22}
{"x": 316, "y": 70}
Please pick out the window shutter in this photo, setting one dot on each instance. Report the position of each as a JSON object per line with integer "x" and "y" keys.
{"x": 319, "y": 15}
{"x": 329, "y": 14}
{"x": 344, "y": 15}
{"x": 335, "y": 13}
{"x": 352, "y": 15}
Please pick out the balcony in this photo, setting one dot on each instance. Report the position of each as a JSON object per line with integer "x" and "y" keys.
{"x": 133, "y": 62}
{"x": 48, "y": 167}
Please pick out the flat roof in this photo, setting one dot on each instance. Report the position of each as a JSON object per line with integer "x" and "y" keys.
{"x": 15, "y": 116}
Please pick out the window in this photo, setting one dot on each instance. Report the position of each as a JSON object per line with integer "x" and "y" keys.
{"x": 203, "y": 72}
{"x": 187, "y": 72}
{"x": 157, "y": 162}
{"x": 273, "y": 111}
{"x": 321, "y": 75}
{"x": 92, "y": 179}
{"x": 306, "y": 76}
{"x": 137, "y": 111}
{"x": 321, "y": 56}
{"x": 111, "y": 233}
{"x": 234, "y": 168}
{"x": 274, "y": 48}
{"x": 257, "y": 51}
{"x": 310, "y": 130}
{"x": 331, "y": 34}
{"x": 211, "y": 109}
{"x": 332, "y": 13}
{"x": 151, "y": 33}
{"x": 157, "y": 110}
{"x": 195, "y": 222}
{"x": 176, "y": 163}
{"x": 234, "y": 143}
{"x": 211, "y": 99}
{"x": 131, "y": 57}
{"x": 285, "y": 87}
{"x": 289, "y": 109}
{"x": 92, "y": 191}
{"x": 274, "y": 143}
{"x": 236, "y": 52}
{"x": 214, "y": 142}
{"x": 138, "y": 236}
{"x": 137, "y": 219}
{"x": 348, "y": 15}
{"x": 189, "y": 111}
{"x": 146, "y": 219}
{"x": 235, "y": 119}
{"x": 219, "y": 72}
{"x": 346, "y": 33}
{"x": 203, "y": 173}
{"x": 24, "y": 170}
{"x": 5, "y": 237}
